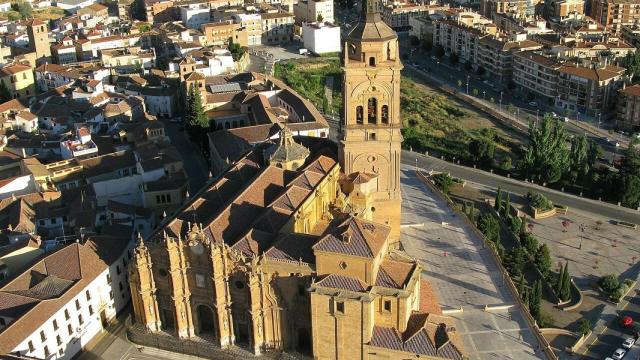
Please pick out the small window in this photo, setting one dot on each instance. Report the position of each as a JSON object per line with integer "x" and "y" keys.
{"x": 66, "y": 314}
{"x": 77, "y": 304}
{"x": 372, "y": 61}
{"x": 387, "y": 305}
{"x": 372, "y": 136}
{"x": 120, "y": 285}
{"x": 31, "y": 348}
{"x": 343, "y": 265}
{"x": 69, "y": 329}
{"x": 118, "y": 271}
{"x": 111, "y": 294}
{"x": 46, "y": 351}
{"x": 340, "y": 307}
{"x": 199, "y": 280}
{"x": 43, "y": 337}
{"x": 88, "y": 295}
{"x": 90, "y": 309}
{"x": 55, "y": 324}
{"x": 58, "y": 340}
{"x": 109, "y": 279}
{"x": 80, "y": 319}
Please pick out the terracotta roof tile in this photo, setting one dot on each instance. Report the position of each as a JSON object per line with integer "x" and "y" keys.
{"x": 342, "y": 282}
{"x": 356, "y": 237}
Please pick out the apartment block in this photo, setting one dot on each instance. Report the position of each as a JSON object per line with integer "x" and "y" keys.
{"x": 628, "y": 108}
{"x": 277, "y": 28}
{"x": 313, "y": 10}
{"x": 614, "y": 14}
{"x": 536, "y": 74}
{"x": 590, "y": 88}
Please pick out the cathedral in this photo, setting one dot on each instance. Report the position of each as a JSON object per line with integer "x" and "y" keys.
{"x": 296, "y": 246}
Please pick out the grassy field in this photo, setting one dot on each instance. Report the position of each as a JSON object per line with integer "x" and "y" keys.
{"x": 50, "y": 13}
{"x": 432, "y": 122}
{"x": 308, "y": 78}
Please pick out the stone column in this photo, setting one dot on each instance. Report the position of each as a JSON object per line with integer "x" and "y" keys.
{"x": 180, "y": 293}
{"x": 222, "y": 301}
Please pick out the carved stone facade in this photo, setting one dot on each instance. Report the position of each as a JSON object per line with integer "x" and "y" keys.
{"x": 293, "y": 247}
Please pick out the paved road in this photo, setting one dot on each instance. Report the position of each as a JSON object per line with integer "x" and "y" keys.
{"x": 606, "y": 210}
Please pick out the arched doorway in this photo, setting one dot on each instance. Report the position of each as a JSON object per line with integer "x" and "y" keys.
{"x": 205, "y": 318}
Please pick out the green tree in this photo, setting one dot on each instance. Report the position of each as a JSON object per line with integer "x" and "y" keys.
{"x": 543, "y": 260}
{"x": 195, "y": 115}
{"x": 609, "y": 284}
{"x": 514, "y": 223}
{"x": 523, "y": 225}
{"x": 236, "y": 50}
{"x": 578, "y": 158}
{"x": 515, "y": 261}
{"x": 521, "y": 284}
{"x": 5, "y": 94}
{"x": 475, "y": 92}
{"x": 507, "y": 205}
{"x": 443, "y": 181}
{"x": 482, "y": 150}
{"x": 547, "y": 156}
{"x": 490, "y": 227}
{"x": 506, "y": 163}
{"x": 584, "y": 327}
{"x": 24, "y": 8}
{"x": 530, "y": 243}
{"x": 565, "y": 284}
{"x": 498, "y": 202}
{"x": 138, "y": 10}
{"x": 632, "y": 61}
{"x": 525, "y": 298}
{"x": 459, "y": 83}
{"x": 558, "y": 284}
{"x": 536, "y": 299}
{"x": 144, "y": 28}
{"x": 319, "y": 18}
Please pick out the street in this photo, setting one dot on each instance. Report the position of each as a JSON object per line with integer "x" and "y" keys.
{"x": 195, "y": 165}
{"x": 606, "y": 210}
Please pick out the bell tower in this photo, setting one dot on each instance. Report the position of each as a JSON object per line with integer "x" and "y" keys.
{"x": 370, "y": 135}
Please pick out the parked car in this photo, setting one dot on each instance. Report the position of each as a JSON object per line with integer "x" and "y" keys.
{"x": 619, "y": 354}
{"x": 628, "y": 343}
{"x": 626, "y": 321}
{"x": 533, "y": 103}
{"x": 566, "y": 119}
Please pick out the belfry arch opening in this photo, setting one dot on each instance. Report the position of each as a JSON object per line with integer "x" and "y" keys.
{"x": 372, "y": 110}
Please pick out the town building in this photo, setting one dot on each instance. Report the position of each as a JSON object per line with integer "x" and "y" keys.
{"x": 614, "y": 14}
{"x": 295, "y": 244}
{"x": 221, "y": 33}
{"x": 321, "y": 38}
{"x": 194, "y": 16}
{"x": 589, "y": 88}
{"x": 561, "y": 10}
{"x": 277, "y": 28}
{"x": 56, "y": 306}
{"x": 18, "y": 78}
{"x": 38, "y": 33}
{"x": 313, "y": 11}
{"x": 536, "y": 75}
{"x": 628, "y": 109}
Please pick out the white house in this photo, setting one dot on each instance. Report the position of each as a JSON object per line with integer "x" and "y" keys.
{"x": 321, "y": 38}
{"x": 194, "y": 16}
{"x": 5, "y": 6}
{"x": 73, "y": 6}
{"x": 66, "y": 299}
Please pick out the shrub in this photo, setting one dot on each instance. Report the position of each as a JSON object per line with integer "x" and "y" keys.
{"x": 506, "y": 164}
{"x": 539, "y": 201}
{"x": 490, "y": 227}
{"x": 443, "y": 181}
{"x": 543, "y": 260}
{"x": 584, "y": 327}
{"x": 609, "y": 283}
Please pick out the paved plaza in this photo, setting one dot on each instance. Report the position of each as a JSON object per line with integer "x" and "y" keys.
{"x": 463, "y": 275}
{"x": 596, "y": 251}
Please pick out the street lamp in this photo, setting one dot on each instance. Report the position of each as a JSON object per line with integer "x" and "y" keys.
{"x": 483, "y": 94}
{"x": 468, "y": 84}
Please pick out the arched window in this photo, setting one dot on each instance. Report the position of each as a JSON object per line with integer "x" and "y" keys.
{"x": 385, "y": 114}
{"x": 359, "y": 114}
{"x": 372, "y": 110}
{"x": 372, "y": 61}
{"x": 388, "y": 51}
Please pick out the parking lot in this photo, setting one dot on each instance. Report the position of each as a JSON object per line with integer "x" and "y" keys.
{"x": 463, "y": 275}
